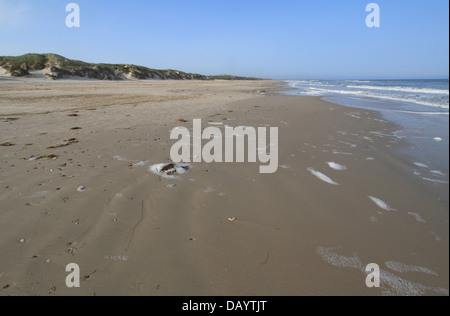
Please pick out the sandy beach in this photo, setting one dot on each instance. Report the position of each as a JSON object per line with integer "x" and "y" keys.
{"x": 75, "y": 187}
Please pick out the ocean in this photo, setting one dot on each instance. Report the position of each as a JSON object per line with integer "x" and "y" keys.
{"x": 420, "y": 107}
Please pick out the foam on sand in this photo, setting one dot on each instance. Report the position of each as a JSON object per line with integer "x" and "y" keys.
{"x": 120, "y": 158}
{"x": 81, "y": 188}
{"x": 438, "y": 172}
{"x": 335, "y": 152}
{"x": 434, "y": 180}
{"x": 417, "y": 217}
{"x": 391, "y": 284}
{"x": 336, "y": 166}
{"x": 338, "y": 260}
{"x": 381, "y": 204}
{"x": 422, "y": 165}
{"x": 136, "y": 162}
{"x": 141, "y": 164}
{"x": 436, "y": 236}
{"x": 322, "y": 177}
{"x": 169, "y": 171}
{"x": 403, "y": 268}
{"x": 348, "y": 144}
{"x": 209, "y": 190}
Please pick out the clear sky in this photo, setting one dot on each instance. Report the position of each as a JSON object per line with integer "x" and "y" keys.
{"x": 280, "y": 39}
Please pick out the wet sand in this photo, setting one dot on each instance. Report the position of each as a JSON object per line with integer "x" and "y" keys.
{"x": 75, "y": 187}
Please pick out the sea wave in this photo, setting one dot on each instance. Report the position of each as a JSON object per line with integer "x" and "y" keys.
{"x": 437, "y": 98}
{"x": 403, "y": 89}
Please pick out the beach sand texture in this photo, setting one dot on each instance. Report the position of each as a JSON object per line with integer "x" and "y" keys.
{"x": 75, "y": 187}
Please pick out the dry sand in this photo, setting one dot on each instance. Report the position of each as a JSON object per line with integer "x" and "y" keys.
{"x": 134, "y": 233}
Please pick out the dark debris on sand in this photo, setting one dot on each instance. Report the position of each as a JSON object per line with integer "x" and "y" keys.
{"x": 51, "y": 157}
{"x": 7, "y": 144}
{"x": 67, "y": 143}
{"x": 10, "y": 119}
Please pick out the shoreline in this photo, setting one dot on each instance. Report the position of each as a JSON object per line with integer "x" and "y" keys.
{"x": 294, "y": 235}
{"x": 423, "y": 155}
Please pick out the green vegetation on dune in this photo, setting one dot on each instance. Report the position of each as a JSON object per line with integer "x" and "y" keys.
{"x": 59, "y": 67}
{"x": 230, "y": 77}
{"x": 19, "y": 66}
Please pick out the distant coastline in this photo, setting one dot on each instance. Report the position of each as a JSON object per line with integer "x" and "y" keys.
{"x": 55, "y": 67}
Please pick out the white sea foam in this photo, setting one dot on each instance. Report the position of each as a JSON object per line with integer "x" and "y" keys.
{"x": 336, "y": 166}
{"x": 322, "y": 177}
{"x": 391, "y": 284}
{"x": 141, "y": 164}
{"x": 435, "y": 180}
{"x": 380, "y": 134}
{"x": 404, "y": 89}
{"x": 120, "y": 158}
{"x": 178, "y": 169}
{"x": 312, "y": 146}
{"x": 417, "y": 217}
{"x": 423, "y": 96}
{"x": 338, "y": 260}
{"x": 380, "y": 96}
{"x": 422, "y": 165}
{"x": 436, "y": 236}
{"x": 335, "y": 152}
{"x": 421, "y": 112}
{"x": 394, "y": 285}
{"x": 348, "y": 144}
{"x": 117, "y": 258}
{"x": 404, "y": 268}
{"x": 438, "y": 172}
{"x": 408, "y": 89}
{"x": 81, "y": 188}
{"x": 381, "y": 204}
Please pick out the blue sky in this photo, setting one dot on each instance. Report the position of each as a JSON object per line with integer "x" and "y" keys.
{"x": 282, "y": 39}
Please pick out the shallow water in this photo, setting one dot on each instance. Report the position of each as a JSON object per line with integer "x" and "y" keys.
{"x": 420, "y": 107}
